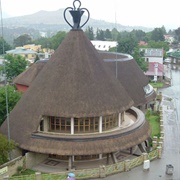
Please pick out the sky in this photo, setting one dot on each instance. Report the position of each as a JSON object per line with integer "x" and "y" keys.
{"x": 148, "y": 13}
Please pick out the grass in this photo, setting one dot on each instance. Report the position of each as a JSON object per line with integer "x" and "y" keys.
{"x": 25, "y": 172}
{"x": 157, "y": 84}
{"x": 154, "y": 121}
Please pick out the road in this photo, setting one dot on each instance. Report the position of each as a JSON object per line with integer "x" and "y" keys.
{"x": 171, "y": 151}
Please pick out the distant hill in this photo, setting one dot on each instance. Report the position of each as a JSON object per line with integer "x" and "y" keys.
{"x": 54, "y": 20}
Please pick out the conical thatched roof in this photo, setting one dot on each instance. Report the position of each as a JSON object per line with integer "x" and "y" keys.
{"x": 28, "y": 76}
{"x": 129, "y": 74}
{"x": 73, "y": 83}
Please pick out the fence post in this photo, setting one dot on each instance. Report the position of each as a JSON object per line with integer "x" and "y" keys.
{"x": 127, "y": 165}
{"x": 38, "y": 175}
{"x": 102, "y": 171}
{"x": 6, "y": 177}
{"x": 162, "y": 133}
{"x": 154, "y": 144}
{"x": 145, "y": 156}
{"x": 159, "y": 152}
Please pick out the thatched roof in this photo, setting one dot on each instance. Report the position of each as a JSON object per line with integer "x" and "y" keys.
{"x": 28, "y": 76}
{"x": 129, "y": 74}
{"x": 74, "y": 83}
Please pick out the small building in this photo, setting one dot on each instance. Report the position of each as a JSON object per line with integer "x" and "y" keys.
{"x": 28, "y": 54}
{"x": 104, "y": 45}
{"x": 155, "y": 71}
{"x": 153, "y": 55}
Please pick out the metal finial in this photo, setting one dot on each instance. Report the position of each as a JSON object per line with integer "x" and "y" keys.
{"x": 76, "y": 13}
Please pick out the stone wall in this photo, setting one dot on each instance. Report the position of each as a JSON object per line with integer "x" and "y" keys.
{"x": 33, "y": 159}
{"x": 10, "y": 167}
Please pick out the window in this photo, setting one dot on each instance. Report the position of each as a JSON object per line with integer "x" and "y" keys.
{"x": 109, "y": 122}
{"x": 86, "y": 125}
{"x": 60, "y": 124}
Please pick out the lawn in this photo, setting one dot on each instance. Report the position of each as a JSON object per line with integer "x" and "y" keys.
{"x": 157, "y": 84}
{"x": 154, "y": 121}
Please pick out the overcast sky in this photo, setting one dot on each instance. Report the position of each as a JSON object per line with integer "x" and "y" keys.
{"x": 148, "y": 13}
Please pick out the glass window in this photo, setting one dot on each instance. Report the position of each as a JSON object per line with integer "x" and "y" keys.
{"x": 109, "y": 122}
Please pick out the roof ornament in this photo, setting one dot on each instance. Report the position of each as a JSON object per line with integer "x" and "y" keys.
{"x": 76, "y": 13}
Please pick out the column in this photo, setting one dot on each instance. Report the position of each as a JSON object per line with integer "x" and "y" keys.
{"x": 100, "y": 156}
{"x": 100, "y": 124}
{"x": 70, "y": 163}
{"x": 119, "y": 120}
{"x": 38, "y": 175}
{"x": 114, "y": 159}
{"x": 72, "y": 125}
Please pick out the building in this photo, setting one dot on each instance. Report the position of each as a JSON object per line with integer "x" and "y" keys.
{"x": 28, "y": 54}
{"x": 76, "y": 109}
{"x": 153, "y": 55}
{"x": 104, "y": 45}
{"x": 155, "y": 72}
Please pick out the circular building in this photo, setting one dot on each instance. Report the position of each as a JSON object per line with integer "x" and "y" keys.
{"x": 76, "y": 109}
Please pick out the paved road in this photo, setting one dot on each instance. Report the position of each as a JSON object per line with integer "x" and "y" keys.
{"x": 171, "y": 151}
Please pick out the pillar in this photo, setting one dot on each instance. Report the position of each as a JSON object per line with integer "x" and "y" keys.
{"x": 114, "y": 159}
{"x": 141, "y": 148}
{"x": 38, "y": 175}
{"x": 100, "y": 156}
{"x": 145, "y": 156}
{"x": 100, "y": 124}
{"x": 102, "y": 171}
{"x": 72, "y": 125}
{"x": 122, "y": 117}
{"x": 70, "y": 163}
{"x": 119, "y": 120}
{"x": 161, "y": 127}
{"x": 154, "y": 144}
{"x": 107, "y": 161}
{"x": 127, "y": 165}
{"x": 162, "y": 133}
{"x": 159, "y": 152}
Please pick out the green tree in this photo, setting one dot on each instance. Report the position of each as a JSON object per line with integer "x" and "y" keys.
{"x": 13, "y": 97}
{"x": 177, "y": 34}
{"x": 138, "y": 56}
{"x": 57, "y": 39}
{"x": 22, "y": 40}
{"x": 139, "y": 34}
{"x": 100, "y": 35}
{"x": 157, "y": 34}
{"x": 126, "y": 44}
{"x": 107, "y": 34}
{"x": 14, "y": 65}
{"x": 6, "y": 46}
{"x": 90, "y": 32}
{"x": 5, "y": 147}
{"x": 44, "y": 42}
{"x": 114, "y": 34}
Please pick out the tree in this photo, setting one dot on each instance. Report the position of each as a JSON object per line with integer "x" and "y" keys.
{"x": 107, "y": 34}
{"x": 22, "y": 40}
{"x": 13, "y": 98}
{"x": 5, "y": 147}
{"x": 90, "y": 33}
{"x": 138, "y": 56}
{"x": 44, "y": 42}
{"x": 57, "y": 39}
{"x": 115, "y": 34}
{"x": 14, "y": 65}
{"x": 126, "y": 44}
{"x": 177, "y": 34}
{"x": 6, "y": 46}
{"x": 157, "y": 34}
{"x": 100, "y": 35}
